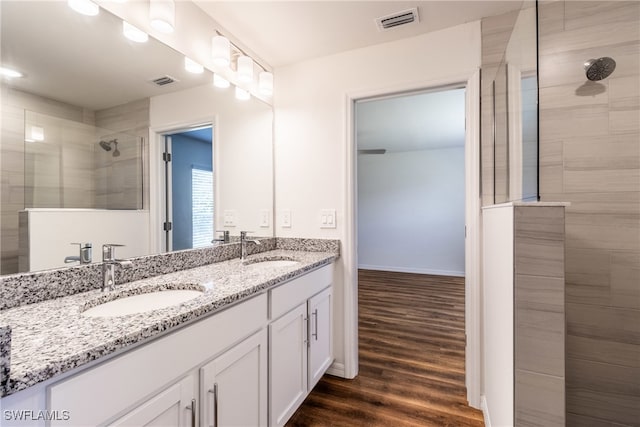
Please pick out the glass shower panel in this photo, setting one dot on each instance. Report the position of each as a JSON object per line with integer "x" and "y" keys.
{"x": 70, "y": 164}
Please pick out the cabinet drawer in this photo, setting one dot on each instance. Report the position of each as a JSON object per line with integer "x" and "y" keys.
{"x": 286, "y": 297}
{"x": 99, "y": 394}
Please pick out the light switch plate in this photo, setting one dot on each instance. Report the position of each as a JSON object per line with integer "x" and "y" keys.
{"x": 229, "y": 218}
{"x": 265, "y": 216}
{"x": 285, "y": 220}
{"x": 328, "y": 218}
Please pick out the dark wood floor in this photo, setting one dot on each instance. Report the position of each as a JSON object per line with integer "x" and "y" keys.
{"x": 411, "y": 330}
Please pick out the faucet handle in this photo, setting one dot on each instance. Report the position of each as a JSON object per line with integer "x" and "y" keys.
{"x": 109, "y": 251}
{"x": 85, "y": 252}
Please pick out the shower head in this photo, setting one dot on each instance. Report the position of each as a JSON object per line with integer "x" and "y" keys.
{"x": 598, "y": 69}
{"x": 106, "y": 146}
{"x": 116, "y": 152}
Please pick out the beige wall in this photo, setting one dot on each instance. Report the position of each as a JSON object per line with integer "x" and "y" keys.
{"x": 590, "y": 156}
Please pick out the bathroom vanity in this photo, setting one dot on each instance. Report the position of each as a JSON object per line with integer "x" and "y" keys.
{"x": 246, "y": 351}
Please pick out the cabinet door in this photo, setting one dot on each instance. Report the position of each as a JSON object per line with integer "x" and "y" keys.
{"x": 172, "y": 407}
{"x": 233, "y": 387}
{"x": 288, "y": 364}
{"x": 320, "y": 336}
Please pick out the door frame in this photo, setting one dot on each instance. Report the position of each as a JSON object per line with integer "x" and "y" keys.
{"x": 157, "y": 178}
{"x": 471, "y": 82}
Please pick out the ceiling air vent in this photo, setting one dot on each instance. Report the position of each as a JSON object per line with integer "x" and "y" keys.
{"x": 400, "y": 18}
{"x": 163, "y": 81}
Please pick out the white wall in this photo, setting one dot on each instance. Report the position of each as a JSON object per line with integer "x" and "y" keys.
{"x": 497, "y": 277}
{"x": 51, "y": 232}
{"x": 243, "y": 144}
{"x": 312, "y": 139}
{"x": 411, "y": 211}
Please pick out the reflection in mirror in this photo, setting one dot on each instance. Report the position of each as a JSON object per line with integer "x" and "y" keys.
{"x": 68, "y": 164}
{"x": 74, "y": 145}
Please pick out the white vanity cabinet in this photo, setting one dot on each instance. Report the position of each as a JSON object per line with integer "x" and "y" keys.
{"x": 233, "y": 388}
{"x": 175, "y": 406}
{"x": 300, "y": 341}
{"x": 158, "y": 381}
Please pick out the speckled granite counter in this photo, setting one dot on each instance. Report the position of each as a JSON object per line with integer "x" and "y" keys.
{"x": 52, "y": 337}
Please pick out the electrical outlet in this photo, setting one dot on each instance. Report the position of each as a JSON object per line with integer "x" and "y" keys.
{"x": 285, "y": 218}
{"x": 229, "y": 218}
{"x": 264, "y": 218}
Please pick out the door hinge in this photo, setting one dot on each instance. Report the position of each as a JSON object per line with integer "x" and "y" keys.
{"x": 167, "y": 226}
{"x": 166, "y": 157}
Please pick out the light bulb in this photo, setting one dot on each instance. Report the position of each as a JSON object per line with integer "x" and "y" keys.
{"x": 265, "y": 83}
{"x": 162, "y": 14}
{"x": 221, "y": 51}
{"x": 245, "y": 69}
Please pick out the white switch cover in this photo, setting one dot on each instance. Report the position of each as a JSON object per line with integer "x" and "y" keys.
{"x": 229, "y": 218}
{"x": 264, "y": 218}
{"x": 286, "y": 218}
{"x": 328, "y": 218}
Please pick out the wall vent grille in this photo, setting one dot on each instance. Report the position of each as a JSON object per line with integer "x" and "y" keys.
{"x": 397, "y": 19}
{"x": 163, "y": 81}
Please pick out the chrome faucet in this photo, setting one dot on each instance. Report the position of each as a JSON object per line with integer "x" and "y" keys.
{"x": 109, "y": 262}
{"x": 225, "y": 236}
{"x": 243, "y": 244}
{"x": 85, "y": 254}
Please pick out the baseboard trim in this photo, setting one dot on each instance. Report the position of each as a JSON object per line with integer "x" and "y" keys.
{"x": 412, "y": 270}
{"x": 337, "y": 370}
{"x": 485, "y": 411}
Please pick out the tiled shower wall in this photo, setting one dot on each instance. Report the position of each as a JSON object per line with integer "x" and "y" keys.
{"x": 12, "y": 146}
{"x": 120, "y": 183}
{"x": 590, "y": 157}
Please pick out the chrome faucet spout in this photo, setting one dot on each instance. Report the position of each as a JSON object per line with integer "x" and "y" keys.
{"x": 109, "y": 262}
{"x": 243, "y": 244}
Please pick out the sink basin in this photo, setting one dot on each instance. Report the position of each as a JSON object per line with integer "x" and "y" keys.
{"x": 142, "y": 302}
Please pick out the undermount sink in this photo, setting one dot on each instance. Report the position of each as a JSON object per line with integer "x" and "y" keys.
{"x": 142, "y": 303}
{"x": 270, "y": 262}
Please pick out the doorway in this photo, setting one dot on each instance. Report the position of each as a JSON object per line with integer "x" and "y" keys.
{"x": 189, "y": 192}
{"x": 411, "y": 182}
{"x": 471, "y": 83}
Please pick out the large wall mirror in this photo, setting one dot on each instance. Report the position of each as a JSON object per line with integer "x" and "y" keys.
{"x": 515, "y": 113}
{"x": 83, "y": 131}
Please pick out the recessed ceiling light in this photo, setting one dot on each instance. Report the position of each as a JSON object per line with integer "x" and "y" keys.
{"x": 221, "y": 82}
{"x": 85, "y": 7}
{"x": 8, "y": 72}
{"x": 242, "y": 94}
{"x": 192, "y": 66}
{"x": 133, "y": 33}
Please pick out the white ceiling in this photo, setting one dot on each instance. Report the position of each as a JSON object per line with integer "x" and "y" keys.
{"x": 285, "y": 32}
{"x": 84, "y": 61}
{"x": 411, "y": 122}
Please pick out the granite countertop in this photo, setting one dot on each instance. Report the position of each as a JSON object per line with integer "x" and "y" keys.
{"x": 52, "y": 337}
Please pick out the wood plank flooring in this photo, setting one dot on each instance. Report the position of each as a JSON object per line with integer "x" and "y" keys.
{"x": 411, "y": 329}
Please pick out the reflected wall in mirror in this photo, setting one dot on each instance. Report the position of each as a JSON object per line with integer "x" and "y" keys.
{"x": 75, "y": 146}
{"x": 510, "y": 131}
